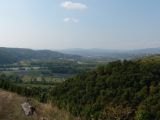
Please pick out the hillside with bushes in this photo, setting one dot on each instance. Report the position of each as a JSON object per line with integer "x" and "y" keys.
{"x": 118, "y": 91}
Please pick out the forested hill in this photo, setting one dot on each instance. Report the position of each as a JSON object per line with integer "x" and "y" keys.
{"x": 11, "y": 55}
{"x": 118, "y": 91}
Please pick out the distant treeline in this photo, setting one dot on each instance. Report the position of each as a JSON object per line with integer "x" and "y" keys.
{"x": 125, "y": 90}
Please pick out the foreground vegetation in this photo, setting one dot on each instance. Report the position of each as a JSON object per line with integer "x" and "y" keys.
{"x": 119, "y": 90}
{"x": 10, "y": 109}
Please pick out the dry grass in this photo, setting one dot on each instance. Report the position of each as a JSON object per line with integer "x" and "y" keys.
{"x": 10, "y": 109}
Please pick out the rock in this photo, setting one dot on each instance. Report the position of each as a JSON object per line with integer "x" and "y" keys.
{"x": 28, "y": 109}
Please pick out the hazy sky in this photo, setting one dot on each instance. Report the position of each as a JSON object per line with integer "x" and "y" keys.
{"x": 60, "y": 24}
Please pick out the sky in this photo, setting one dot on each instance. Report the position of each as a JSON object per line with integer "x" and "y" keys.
{"x": 63, "y": 24}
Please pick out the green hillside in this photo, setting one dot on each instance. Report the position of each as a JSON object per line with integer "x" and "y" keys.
{"x": 118, "y": 91}
{"x": 12, "y": 55}
{"x": 151, "y": 59}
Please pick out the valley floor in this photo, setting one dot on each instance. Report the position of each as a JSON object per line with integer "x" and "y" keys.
{"x": 10, "y": 109}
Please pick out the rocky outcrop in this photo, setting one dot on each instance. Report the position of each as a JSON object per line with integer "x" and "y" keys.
{"x": 28, "y": 109}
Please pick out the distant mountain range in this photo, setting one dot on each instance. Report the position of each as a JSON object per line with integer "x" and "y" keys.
{"x": 117, "y": 54}
{"x": 12, "y": 55}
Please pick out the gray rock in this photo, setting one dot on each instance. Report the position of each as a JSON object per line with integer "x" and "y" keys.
{"x": 28, "y": 109}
